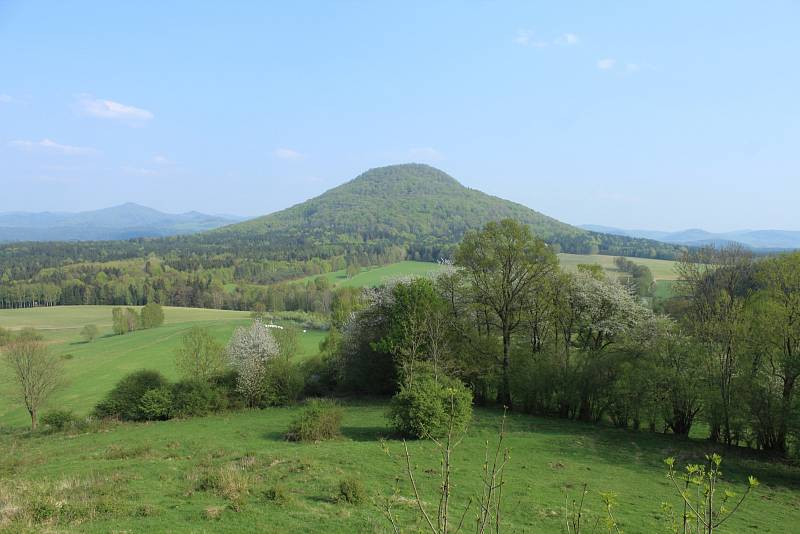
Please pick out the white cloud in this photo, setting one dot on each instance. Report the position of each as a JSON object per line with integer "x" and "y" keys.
{"x": 425, "y": 154}
{"x": 108, "y": 109}
{"x": 161, "y": 159}
{"x": 568, "y": 39}
{"x": 286, "y": 153}
{"x": 606, "y": 63}
{"x": 529, "y": 38}
{"x": 49, "y": 145}
{"x": 5, "y": 99}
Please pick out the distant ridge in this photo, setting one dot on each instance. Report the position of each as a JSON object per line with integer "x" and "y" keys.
{"x": 761, "y": 240}
{"x": 125, "y": 221}
{"x": 415, "y": 206}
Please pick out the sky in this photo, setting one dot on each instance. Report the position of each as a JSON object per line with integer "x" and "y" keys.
{"x": 637, "y": 114}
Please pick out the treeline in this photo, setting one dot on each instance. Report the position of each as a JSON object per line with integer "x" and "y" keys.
{"x": 517, "y": 330}
{"x": 239, "y": 285}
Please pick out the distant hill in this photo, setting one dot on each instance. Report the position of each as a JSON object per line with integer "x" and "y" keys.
{"x": 119, "y": 222}
{"x": 762, "y": 240}
{"x": 419, "y": 208}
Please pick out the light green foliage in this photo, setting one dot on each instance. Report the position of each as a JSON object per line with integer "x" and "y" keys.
{"x": 427, "y": 406}
{"x": 152, "y": 315}
{"x": 199, "y": 356}
{"x": 28, "y": 334}
{"x": 90, "y": 332}
{"x": 59, "y": 420}
{"x": 702, "y": 508}
{"x": 351, "y": 491}
{"x": 156, "y": 404}
{"x": 283, "y": 383}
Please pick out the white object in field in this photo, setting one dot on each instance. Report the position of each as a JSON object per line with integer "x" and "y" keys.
{"x": 274, "y": 326}
{"x": 304, "y": 331}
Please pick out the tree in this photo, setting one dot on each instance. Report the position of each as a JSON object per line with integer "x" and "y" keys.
{"x": 352, "y": 270}
{"x": 119, "y": 323}
{"x": 287, "y": 339}
{"x": 504, "y": 264}
{"x": 90, "y": 332}
{"x": 720, "y": 284}
{"x": 36, "y": 372}
{"x": 249, "y": 351}
{"x": 199, "y": 356}
{"x": 152, "y": 315}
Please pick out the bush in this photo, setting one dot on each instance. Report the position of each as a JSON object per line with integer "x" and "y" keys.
{"x": 194, "y": 398}
{"x": 90, "y": 332}
{"x": 152, "y": 315}
{"x": 226, "y": 384}
{"x": 29, "y": 334}
{"x": 59, "y": 419}
{"x": 125, "y": 400}
{"x": 277, "y": 494}
{"x": 320, "y": 420}
{"x": 351, "y": 490}
{"x": 283, "y": 383}
{"x": 425, "y": 408}
{"x": 319, "y": 376}
{"x": 156, "y": 404}
{"x": 5, "y": 336}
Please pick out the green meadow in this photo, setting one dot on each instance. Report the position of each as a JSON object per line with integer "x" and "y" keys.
{"x": 92, "y": 369}
{"x": 221, "y": 474}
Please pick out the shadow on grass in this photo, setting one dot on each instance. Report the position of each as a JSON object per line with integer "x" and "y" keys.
{"x": 365, "y": 433}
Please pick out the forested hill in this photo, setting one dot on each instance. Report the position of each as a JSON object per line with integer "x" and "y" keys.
{"x": 419, "y": 208}
{"x": 390, "y": 213}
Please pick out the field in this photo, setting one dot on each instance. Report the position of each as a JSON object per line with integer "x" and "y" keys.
{"x": 661, "y": 269}
{"x": 215, "y": 474}
{"x": 375, "y": 276}
{"x": 91, "y": 369}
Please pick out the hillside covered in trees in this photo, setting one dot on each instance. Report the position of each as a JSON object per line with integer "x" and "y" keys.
{"x": 383, "y": 216}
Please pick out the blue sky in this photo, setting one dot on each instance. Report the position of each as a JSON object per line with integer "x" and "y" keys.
{"x": 637, "y": 114}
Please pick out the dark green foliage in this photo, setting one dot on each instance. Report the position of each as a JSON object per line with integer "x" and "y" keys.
{"x": 156, "y": 404}
{"x": 283, "y": 383}
{"x": 125, "y": 400}
{"x": 195, "y": 398}
{"x": 225, "y": 384}
{"x": 427, "y": 407}
{"x": 351, "y": 491}
{"x": 320, "y": 420}
{"x": 319, "y": 376}
{"x": 277, "y": 494}
{"x": 152, "y": 315}
{"x": 59, "y": 419}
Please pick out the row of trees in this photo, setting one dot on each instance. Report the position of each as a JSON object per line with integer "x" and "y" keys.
{"x": 520, "y": 331}
{"x": 129, "y": 320}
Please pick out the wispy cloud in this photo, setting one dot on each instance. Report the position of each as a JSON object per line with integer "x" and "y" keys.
{"x": 530, "y": 38}
{"x": 6, "y": 99}
{"x": 161, "y": 159}
{"x": 287, "y": 154}
{"x": 606, "y": 63}
{"x": 49, "y": 145}
{"x": 425, "y": 154}
{"x": 108, "y": 109}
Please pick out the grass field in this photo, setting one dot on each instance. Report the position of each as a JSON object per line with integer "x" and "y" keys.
{"x": 661, "y": 269}
{"x": 375, "y": 276}
{"x": 93, "y": 368}
{"x": 160, "y": 477}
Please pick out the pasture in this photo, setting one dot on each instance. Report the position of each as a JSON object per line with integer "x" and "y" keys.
{"x": 661, "y": 269}
{"x": 222, "y": 474}
{"x": 92, "y": 369}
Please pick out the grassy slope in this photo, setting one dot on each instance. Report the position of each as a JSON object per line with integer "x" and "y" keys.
{"x": 661, "y": 269}
{"x": 95, "y": 367}
{"x": 148, "y": 478}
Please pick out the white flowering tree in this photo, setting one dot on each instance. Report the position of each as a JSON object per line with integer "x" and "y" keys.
{"x": 249, "y": 351}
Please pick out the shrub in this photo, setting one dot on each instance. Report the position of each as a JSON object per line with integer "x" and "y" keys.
{"x": 320, "y": 420}
{"x": 59, "y": 419}
{"x": 319, "y": 376}
{"x": 156, "y": 404}
{"x": 226, "y": 384}
{"x": 283, "y": 383}
{"x": 152, "y": 315}
{"x": 29, "y": 334}
{"x": 125, "y": 400}
{"x": 351, "y": 490}
{"x": 426, "y": 407}
{"x": 90, "y": 332}
{"x": 277, "y": 494}
{"x": 193, "y": 398}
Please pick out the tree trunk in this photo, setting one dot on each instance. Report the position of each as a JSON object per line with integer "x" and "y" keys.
{"x": 504, "y": 395}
